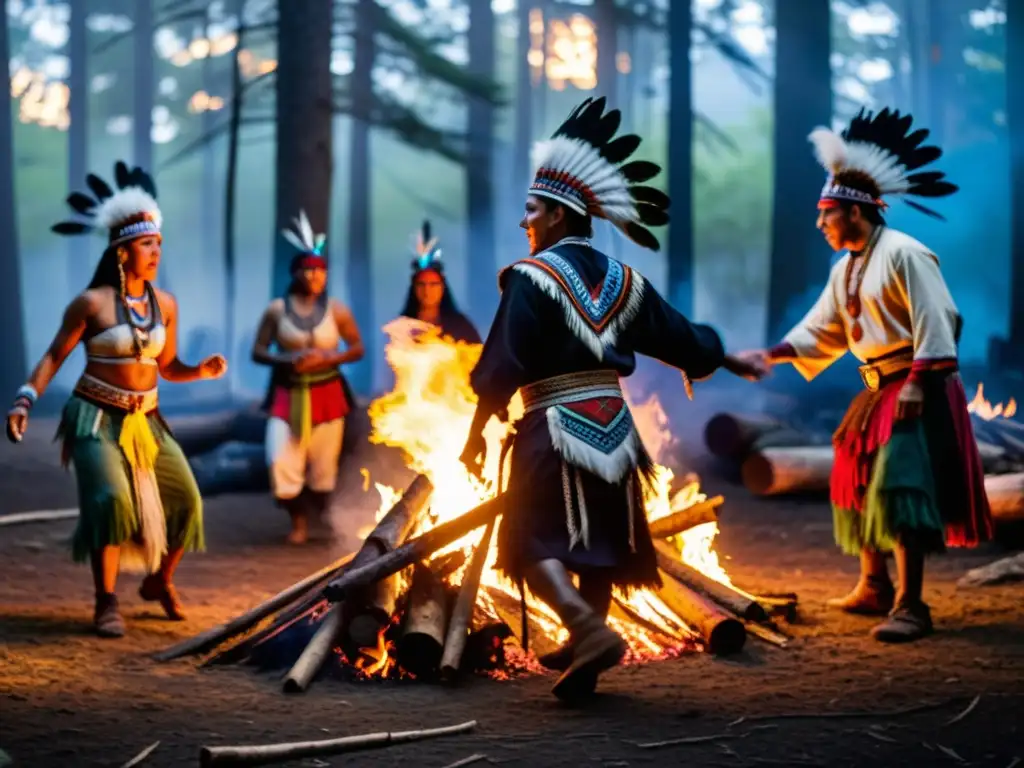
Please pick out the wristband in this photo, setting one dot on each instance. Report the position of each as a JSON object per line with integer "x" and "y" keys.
{"x": 28, "y": 392}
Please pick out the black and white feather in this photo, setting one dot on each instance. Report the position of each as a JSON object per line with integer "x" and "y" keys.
{"x": 584, "y": 166}
{"x": 104, "y": 208}
{"x": 880, "y": 155}
{"x": 302, "y": 237}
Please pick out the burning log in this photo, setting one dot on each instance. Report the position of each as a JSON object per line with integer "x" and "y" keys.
{"x": 426, "y": 623}
{"x": 685, "y": 519}
{"x": 369, "y": 610}
{"x": 420, "y": 548}
{"x": 462, "y": 614}
{"x": 509, "y": 611}
{"x": 741, "y": 605}
{"x": 734, "y": 435}
{"x": 774, "y": 471}
{"x": 281, "y": 753}
{"x": 723, "y": 634}
{"x": 1006, "y": 496}
{"x": 211, "y": 638}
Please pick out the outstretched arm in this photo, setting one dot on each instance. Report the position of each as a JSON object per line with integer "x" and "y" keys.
{"x": 70, "y": 333}
{"x": 662, "y": 332}
{"x": 818, "y": 340}
{"x": 171, "y": 367}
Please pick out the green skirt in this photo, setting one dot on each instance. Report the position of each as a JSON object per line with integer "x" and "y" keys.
{"x": 109, "y": 513}
{"x": 900, "y": 503}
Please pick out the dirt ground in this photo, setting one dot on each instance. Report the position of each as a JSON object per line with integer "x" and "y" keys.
{"x": 69, "y": 699}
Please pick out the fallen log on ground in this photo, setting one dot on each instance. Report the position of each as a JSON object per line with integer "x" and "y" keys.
{"x": 421, "y": 644}
{"x": 280, "y": 753}
{"x": 315, "y": 653}
{"x": 233, "y": 467}
{"x": 728, "y": 597}
{"x": 201, "y": 434}
{"x": 685, "y": 519}
{"x": 369, "y": 610}
{"x": 734, "y": 435}
{"x": 723, "y": 634}
{"x": 420, "y": 548}
{"x": 461, "y": 620}
{"x": 1006, "y": 496}
{"x": 776, "y": 471}
{"x": 211, "y": 638}
{"x": 1001, "y": 571}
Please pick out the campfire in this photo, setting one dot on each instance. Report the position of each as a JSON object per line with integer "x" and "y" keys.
{"x": 421, "y": 598}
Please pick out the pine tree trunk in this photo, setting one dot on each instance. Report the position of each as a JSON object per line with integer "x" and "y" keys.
{"x": 304, "y": 124}
{"x": 1015, "y": 118}
{"x": 12, "y": 319}
{"x": 79, "y": 266}
{"x": 524, "y": 100}
{"x": 607, "y": 48}
{"x": 142, "y": 124}
{"x": 481, "y": 264}
{"x": 803, "y": 101}
{"x": 231, "y": 188}
{"x": 360, "y": 272}
{"x": 679, "y": 254}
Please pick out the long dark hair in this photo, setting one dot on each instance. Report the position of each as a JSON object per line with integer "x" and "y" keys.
{"x": 107, "y": 273}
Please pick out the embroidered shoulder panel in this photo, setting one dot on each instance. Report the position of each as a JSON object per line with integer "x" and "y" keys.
{"x": 595, "y": 316}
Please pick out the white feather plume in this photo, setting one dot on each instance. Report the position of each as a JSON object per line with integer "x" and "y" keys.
{"x": 582, "y": 161}
{"x": 302, "y": 236}
{"x": 837, "y": 155}
{"x": 123, "y": 205}
{"x": 829, "y": 148}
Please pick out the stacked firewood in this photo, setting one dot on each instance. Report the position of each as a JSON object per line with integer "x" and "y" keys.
{"x": 395, "y": 601}
{"x": 777, "y": 458}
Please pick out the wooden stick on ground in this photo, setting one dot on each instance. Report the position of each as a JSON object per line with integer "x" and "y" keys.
{"x": 42, "y": 516}
{"x": 739, "y": 604}
{"x": 142, "y": 755}
{"x": 279, "y": 753}
{"x": 722, "y": 633}
{"x": 211, "y": 638}
{"x": 462, "y": 614}
{"x": 685, "y": 519}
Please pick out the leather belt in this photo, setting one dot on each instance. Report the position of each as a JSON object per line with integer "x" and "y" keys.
{"x": 97, "y": 390}
{"x": 882, "y": 371}
{"x": 570, "y": 388}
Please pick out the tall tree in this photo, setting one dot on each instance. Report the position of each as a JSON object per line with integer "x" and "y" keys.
{"x": 679, "y": 255}
{"x": 523, "y": 113}
{"x": 606, "y": 21}
{"x": 142, "y": 123}
{"x": 78, "y": 135}
{"x": 803, "y": 100}
{"x": 1015, "y": 118}
{"x": 12, "y": 320}
{"x": 481, "y": 265}
{"x": 360, "y": 272}
{"x": 304, "y": 123}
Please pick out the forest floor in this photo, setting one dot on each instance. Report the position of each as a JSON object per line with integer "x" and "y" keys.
{"x": 70, "y": 699}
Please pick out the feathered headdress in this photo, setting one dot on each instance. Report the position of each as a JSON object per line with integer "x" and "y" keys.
{"x": 876, "y": 156}
{"x": 310, "y": 246}
{"x": 428, "y": 252}
{"x": 583, "y": 166}
{"x": 126, "y": 214}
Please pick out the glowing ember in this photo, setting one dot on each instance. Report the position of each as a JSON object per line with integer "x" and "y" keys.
{"x": 428, "y": 415}
{"x": 983, "y": 409}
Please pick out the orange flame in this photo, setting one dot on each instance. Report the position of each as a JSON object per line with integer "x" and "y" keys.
{"x": 428, "y": 415}
{"x": 982, "y": 408}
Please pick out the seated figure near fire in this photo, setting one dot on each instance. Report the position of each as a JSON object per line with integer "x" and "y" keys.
{"x": 907, "y": 477}
{"x": 430, "y": 297}
{"x": 570, "y": 323}
{"x": 308, "y": 398}
{"x": 139, "y": 505}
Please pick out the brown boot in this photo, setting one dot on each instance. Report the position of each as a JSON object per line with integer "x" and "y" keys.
{"x": 107, "y": 620}
{"x": 155, "y": 589}
{"x": 558, "y": 660}
{"x": 597, "y": 648}
{"x": 909, "y": 621}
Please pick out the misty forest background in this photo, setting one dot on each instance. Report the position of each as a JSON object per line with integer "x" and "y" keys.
{"x": 373, "y": 115}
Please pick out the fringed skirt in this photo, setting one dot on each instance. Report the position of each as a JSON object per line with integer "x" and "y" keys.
{"x": 576, "y": 498}
{"x": 135, "y": 487}
{"x": 917, "y": 480}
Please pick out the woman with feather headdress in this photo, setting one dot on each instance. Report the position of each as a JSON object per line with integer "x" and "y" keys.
{"x": 308, "y": 398}
{"x": 907, "y": 477}
{"x": 139, "y": 506}
{"x": 570, "y": 323}
{"x": 430, "y": 297}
